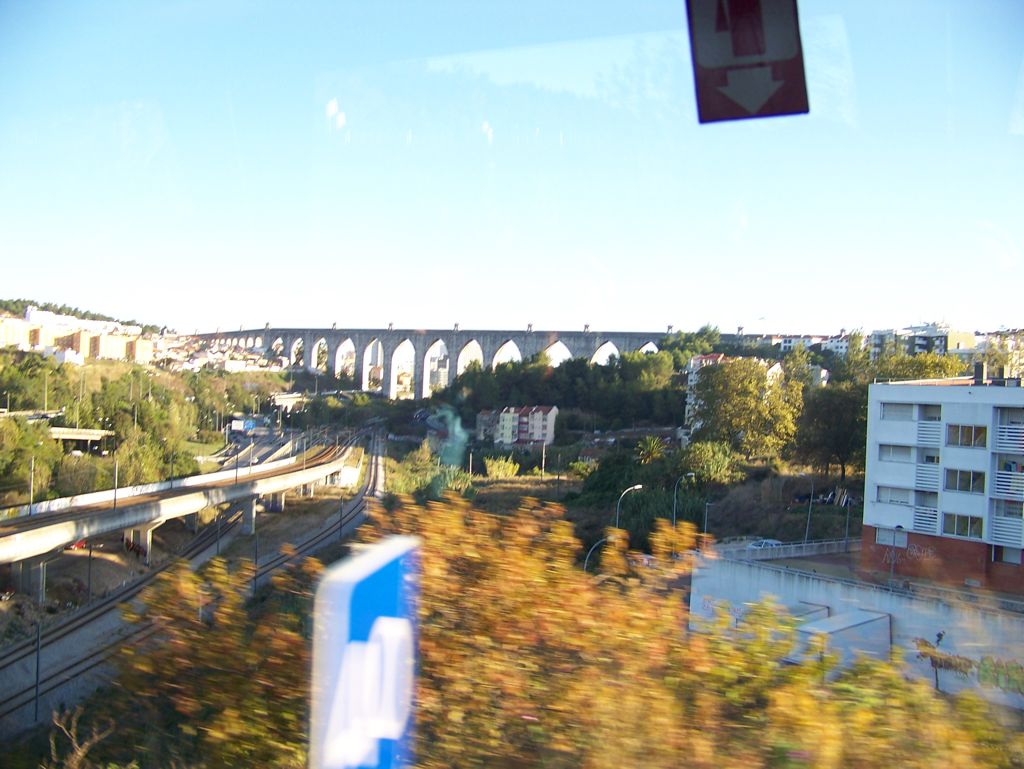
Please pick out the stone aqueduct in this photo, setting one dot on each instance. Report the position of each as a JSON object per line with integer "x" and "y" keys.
{"x": 460, "y": 345}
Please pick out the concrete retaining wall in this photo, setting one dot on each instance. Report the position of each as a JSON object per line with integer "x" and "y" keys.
{"x": 740, "y": 551}
{"x": 970, "y": 630}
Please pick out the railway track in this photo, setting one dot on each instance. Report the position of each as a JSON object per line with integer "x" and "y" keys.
{"x": 52, "y": 680}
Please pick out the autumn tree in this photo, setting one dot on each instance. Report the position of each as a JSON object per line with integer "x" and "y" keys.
{"x": 220, "y": 685}
{"x": 527, "y": 661}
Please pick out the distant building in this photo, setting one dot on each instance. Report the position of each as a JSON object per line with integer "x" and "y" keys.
{"x": 41, "y": 336}
{"x": 79, "y": 341}
{"x": 698, "y": 362}
{"x": 944, "y": 482}
{"x": 64, "y": 355}
{"x": 486, "y": 425}
{"x": 936, "y": 338}
{"x": 838, "y": 345}
{"x": 14, "y": 332}
{"x": 819, "y": 376}
{"x": 789, "y": 343}
{"x": 140, "y": 350}
{"x": 518, "y": 426}
{"x": 108, "y": 347}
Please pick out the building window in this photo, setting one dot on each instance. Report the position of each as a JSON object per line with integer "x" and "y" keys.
{"x": 931, "y": 413}
{"x": 1006, "y": 555}
{"x": 1005, "y": 508}
{"x": 889, "y": 453}
{"x": 971, "y": 481}
{"x": 900, "y": 412}
{"x": 957, "y": 525}
{"x": 891, "y": 537}
{"x": 893, "y": 496}
{"x": 970, "y": 436}
{"x": 929, "y": 457}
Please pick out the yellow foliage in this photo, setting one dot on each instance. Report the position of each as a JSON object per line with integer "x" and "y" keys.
{"x": 527, "y": 661}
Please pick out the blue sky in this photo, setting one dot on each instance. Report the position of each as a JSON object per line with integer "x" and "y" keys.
{"x": 223, "y": 164}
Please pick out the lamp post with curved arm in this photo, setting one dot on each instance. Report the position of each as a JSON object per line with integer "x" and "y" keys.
{"x": 618, "y": 505}
{"x": 591, "y": 551}
{"x": 675, "y": 491}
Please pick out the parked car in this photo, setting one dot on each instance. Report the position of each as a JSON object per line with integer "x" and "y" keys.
{"x": 760, "y": 544}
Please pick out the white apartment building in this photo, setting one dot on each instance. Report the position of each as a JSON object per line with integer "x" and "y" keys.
{"x": 840, "y": 344}
{"x": 944, "y": 483}
{"x": 938, "y": 338}
{"x": 529, "y": 425}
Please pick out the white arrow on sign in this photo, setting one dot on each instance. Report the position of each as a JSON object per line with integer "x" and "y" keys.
{"x": 750, "y": 87}
{"x": 373, "y": 699}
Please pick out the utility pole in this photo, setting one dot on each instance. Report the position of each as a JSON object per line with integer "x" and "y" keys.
{"x": 31, "y": 483}
{"x": 543, "y": 459}
{"x": 39, "y": 649}
{"x": 255, "y": 561}
{"x": 81, "y": 394}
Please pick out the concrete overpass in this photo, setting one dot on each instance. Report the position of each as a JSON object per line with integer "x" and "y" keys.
{"x": 28, "y": 539}
{"x": 355, "y": 349}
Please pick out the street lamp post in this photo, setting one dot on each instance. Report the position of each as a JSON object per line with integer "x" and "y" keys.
{"x": 31, "y": 484}
{"x": 892, "y": 558}
{"x": 618, "y": 505}
{"x": 89, "y": 578}
{"x": 674, "y": 491}
{"x": 592, "y": 549}
{"x": 810, "y": 503}
{"x": 706, "y": 506}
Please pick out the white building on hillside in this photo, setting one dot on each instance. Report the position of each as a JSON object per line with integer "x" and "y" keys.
{"x": 944, "y": 485}
{"x": 529, "y": 425}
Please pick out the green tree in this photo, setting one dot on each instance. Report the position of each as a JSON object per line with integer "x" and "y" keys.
{"x": 856, "y": 365}
{"x": 797, "y": 365}
{"x": 738, "y": 403}
{"x": 76, "y": 475}
{"x": 650, "y": 448}
{"x": 833, "y": 426}
{"x": 927, "y": 365}
{"x": 709, "y": 461}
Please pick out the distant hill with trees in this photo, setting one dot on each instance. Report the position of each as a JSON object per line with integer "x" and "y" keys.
{"x": 19, "y": 306}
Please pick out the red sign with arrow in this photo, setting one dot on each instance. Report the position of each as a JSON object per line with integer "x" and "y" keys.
{"x": 747, "y": 58}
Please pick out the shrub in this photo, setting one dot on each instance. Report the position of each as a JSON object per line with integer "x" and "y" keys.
{"x": 501, "y": 468}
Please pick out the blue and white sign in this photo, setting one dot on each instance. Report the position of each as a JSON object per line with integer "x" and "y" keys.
{"x": 364, "y": 659}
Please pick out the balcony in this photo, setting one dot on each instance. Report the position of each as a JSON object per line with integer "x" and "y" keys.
{"x": 926, "y": 477}
{"x": 1010, "y": 438}
{"x": 929, "y": 433}
{"x": 1009, "y": 485}
{"x": 1008, "y": 532}
{"x": 926, "y": 520}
